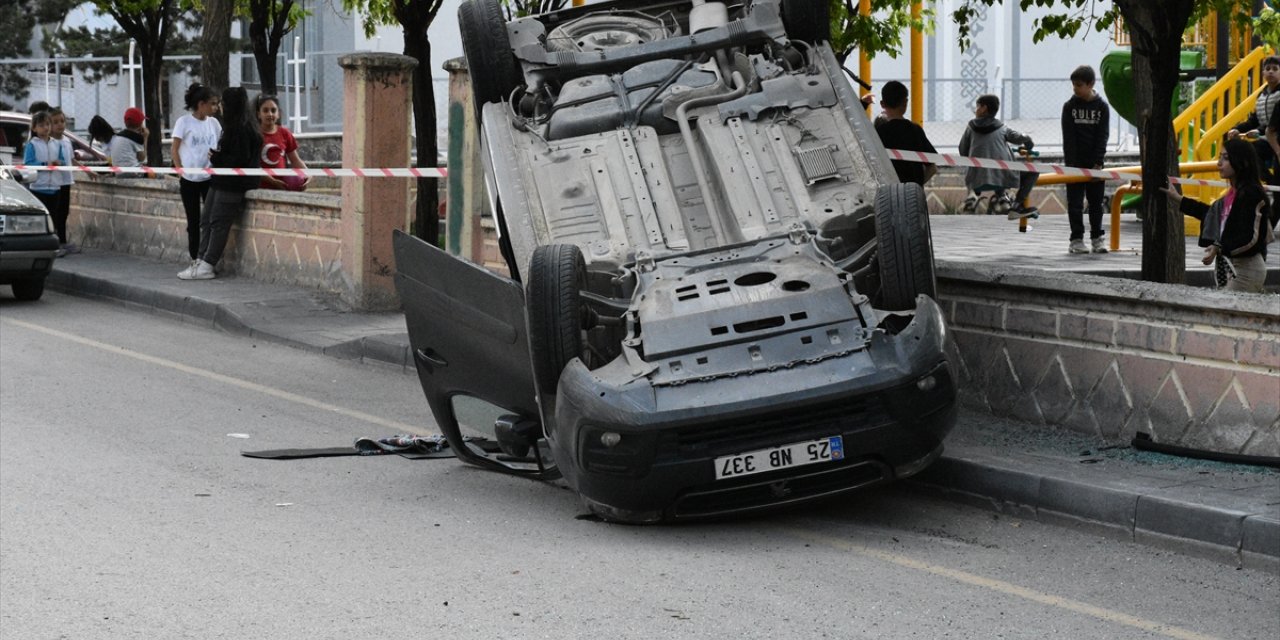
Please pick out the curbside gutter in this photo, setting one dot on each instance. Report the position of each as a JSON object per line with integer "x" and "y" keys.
{"x": 1179, "y": 518}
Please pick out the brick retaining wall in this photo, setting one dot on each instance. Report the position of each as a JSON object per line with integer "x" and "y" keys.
{"x": 288, "y": 238}
{"x": 1112, "y": 357}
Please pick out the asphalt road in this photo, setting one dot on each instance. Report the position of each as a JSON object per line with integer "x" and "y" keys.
{"x": 126, "y": 511}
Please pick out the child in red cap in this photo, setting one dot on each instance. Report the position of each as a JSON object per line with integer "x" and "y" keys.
{"x": 129, "y": 147}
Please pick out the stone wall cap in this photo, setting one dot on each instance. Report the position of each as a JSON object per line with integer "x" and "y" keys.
{"x": 376, "y": 60}
{"x": 455, "y": 64}
{"x": 168, "y": 183}
{"x": 1173, "y": 295}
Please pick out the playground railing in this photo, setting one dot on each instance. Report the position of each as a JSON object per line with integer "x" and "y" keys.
{"x": 1194, "y": 125}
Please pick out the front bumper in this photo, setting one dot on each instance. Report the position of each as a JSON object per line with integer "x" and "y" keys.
{"x": 26, "y": 257}
{"x": 662, "y": 464}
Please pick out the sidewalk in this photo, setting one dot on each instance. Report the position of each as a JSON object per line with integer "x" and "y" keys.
{"x": 1228, "y": 512}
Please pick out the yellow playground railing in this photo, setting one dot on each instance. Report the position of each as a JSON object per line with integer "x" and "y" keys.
{"x": 1191, "y": 226}
{"x": 1202, "y": 124}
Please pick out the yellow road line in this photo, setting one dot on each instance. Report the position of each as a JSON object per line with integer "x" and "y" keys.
{"x": 400, "y": 427}
{"x": 1001, "y": 586}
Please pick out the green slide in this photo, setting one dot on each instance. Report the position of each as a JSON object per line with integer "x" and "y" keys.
{"x": 1117, "y": 81}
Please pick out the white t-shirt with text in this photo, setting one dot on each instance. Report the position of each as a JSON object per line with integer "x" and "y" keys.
{"x": 199, "y": 137}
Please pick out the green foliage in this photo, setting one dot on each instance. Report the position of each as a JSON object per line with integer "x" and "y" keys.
{"x": 47, "y": 11}
{"x": 251, "y": 9}
{"x": 373, "y": 13}
{"x": 414, "y": 15}
{"x": 15, "y": 18}
{"x": 1076, "y": 16}
{"x": 81, "y": 41}
{"x": 113, "y": 42}
{"x": 1267, "y": 27}
{"x": 881, "y": 32}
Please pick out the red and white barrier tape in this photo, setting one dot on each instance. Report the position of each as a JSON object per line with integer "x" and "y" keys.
{"x": 1041, "y": 168}
{"x": 414, "y": 172}
{"x": 410, "y": 172}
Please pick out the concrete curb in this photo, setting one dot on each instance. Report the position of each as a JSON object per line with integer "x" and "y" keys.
{"x": 1245, "y": 538}
{"x": 224, "y": 316}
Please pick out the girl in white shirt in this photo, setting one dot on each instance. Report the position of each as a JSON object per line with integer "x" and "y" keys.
{"x": 194, "y": 136}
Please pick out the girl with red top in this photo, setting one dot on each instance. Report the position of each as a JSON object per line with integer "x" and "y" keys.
{"x": 279, "y": 148}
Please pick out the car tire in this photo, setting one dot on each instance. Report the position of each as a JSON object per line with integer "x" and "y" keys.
{"x": 557, "y": 274}
{"x": 904, "y": 247}
{"x": 807, "y": 20}
{"x": 491, "y": 63}
{"x": 28, "y": 289}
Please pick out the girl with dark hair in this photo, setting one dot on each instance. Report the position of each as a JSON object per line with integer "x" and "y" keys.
{"x": 100, "y": 133}
{"x": 42, "y": 150}
{"x": 1236, "y": 228}
{"x": 194, "y": 136}
{"x": 279, "y": 148}
{"x": 239, "y": 146}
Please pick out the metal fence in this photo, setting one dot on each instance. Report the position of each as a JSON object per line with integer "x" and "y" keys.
{"x": 309, "y": 86}
{"x": 1029, "y": 105}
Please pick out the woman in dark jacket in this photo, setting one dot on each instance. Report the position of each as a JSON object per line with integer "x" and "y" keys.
{"x": 1236, "y": 228}
{"x": 239, "y": 146}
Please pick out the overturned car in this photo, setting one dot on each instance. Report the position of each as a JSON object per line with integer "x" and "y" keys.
{"x": 721, "y": 298}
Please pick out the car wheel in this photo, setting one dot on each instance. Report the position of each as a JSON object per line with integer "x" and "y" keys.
{"x": 904, "y": 248}
{"x": 604, "y": 32}
{"x": 492, "y": 64}
{"x": 807, "y": 20}
{"x": 28, "y": 289}
{"x": 557, "y": 274}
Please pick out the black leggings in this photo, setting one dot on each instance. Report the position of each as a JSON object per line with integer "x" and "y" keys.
{"x": 50, "y": 202}
{"x": 60, "y": 211}
{"x": 221, "y": 210}
{"x": 193, "y": 195}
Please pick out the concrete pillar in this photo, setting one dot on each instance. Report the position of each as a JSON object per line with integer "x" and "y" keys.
{"x": 464, "y": 237}
{"x": 377, "y": 111}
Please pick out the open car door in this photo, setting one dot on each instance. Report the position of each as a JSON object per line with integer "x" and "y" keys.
{"x": 468, "y": 336}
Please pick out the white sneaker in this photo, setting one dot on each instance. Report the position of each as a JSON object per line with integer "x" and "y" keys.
{"x": 1099, "y": 245}
{"x": 185, "y": 274}
{"x": 201, "y": 270}
{"x": 1077, "y": 246}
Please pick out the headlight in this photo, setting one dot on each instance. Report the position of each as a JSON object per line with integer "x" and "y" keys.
{"x": 14, "y": 224}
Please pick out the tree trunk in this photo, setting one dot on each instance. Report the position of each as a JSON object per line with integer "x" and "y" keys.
{"x": 263, "y": 56}
{"x": 1156, "y": 32}
{"x": 427, "y": 218}
{"x": 215, "y": 44}
{"x": 152, "y": 67}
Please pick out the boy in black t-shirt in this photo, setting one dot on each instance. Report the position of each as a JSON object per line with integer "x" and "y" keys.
{"x": 896, "y": 132}
{"x": 1086, "y": 126}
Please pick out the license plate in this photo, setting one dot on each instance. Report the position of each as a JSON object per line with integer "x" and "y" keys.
{"x": 784, "y": 457}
